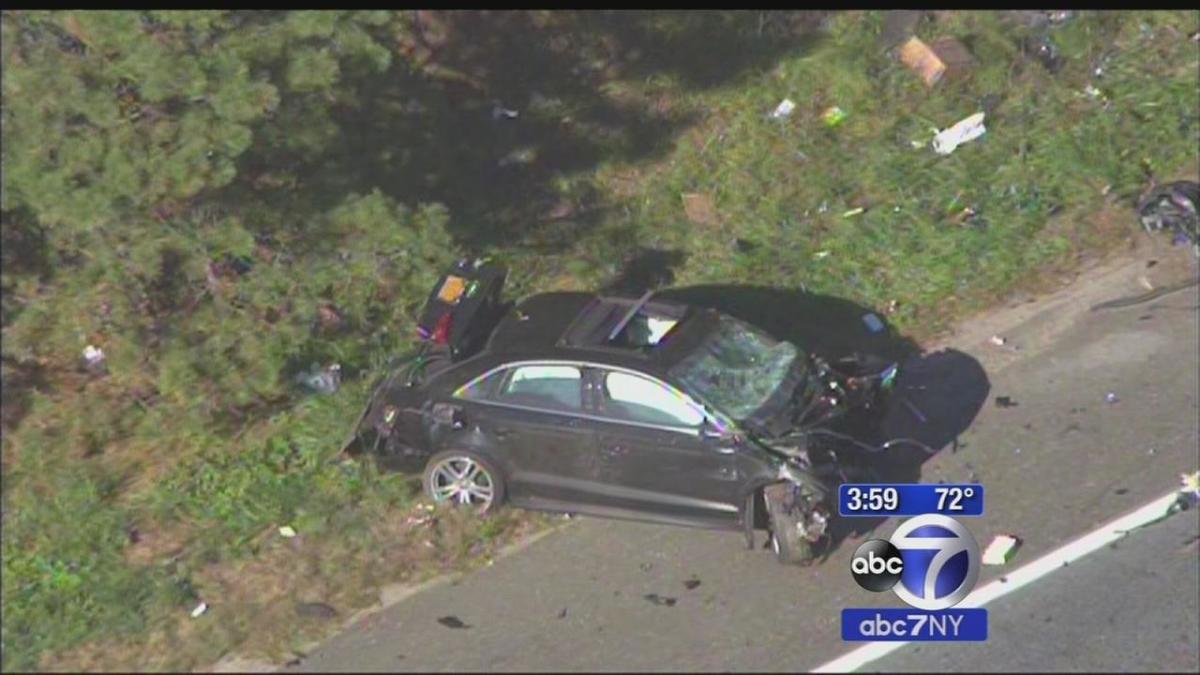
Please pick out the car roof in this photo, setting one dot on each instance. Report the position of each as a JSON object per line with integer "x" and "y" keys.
{"x": 570, "y": 326}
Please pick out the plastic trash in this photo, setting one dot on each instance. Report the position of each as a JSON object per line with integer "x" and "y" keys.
{"x": 833, "y": 116}
{"x": 1001, "y": 550}
{"x": 500, "y": 112}
{"x": 873, "y": 322}
{"x": 322, "y": 380}
{"x": 998, "y": 341}
{"x": 784, "y": 109}
{"x": 200, "y": 609}
{"x": 965, "y": 130}
{"x": 1111, "y": 397}
{"x": 287, "y": 532}
{"x": 1191, "y": 486}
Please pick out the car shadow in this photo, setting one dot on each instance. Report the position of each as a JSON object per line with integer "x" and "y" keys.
{"x": 936, "y": 398}
{"x": 937, "y": 395}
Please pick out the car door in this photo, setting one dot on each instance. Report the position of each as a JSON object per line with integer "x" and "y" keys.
{"x": 650, "y": 455}
{"x": 533, "y": 418}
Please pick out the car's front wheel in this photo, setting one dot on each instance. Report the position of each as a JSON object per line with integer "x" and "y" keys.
{"x": 462, "y": 478}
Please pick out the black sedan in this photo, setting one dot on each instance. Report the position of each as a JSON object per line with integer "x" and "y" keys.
{"x": 618, "y": 407}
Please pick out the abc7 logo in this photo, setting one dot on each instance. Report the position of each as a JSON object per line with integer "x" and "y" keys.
{"x": 932, "y": 562}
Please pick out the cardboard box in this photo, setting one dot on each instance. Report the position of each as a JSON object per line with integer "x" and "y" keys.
{"x": 945, "y": 58}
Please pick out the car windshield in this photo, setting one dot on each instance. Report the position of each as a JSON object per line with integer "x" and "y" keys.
{"x": 737, "y": 368}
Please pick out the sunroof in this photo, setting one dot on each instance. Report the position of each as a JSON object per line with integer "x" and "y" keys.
{"x": 623, "y": 323}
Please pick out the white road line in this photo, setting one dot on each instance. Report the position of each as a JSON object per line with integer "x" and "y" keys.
{"x": 1055, "y": 560}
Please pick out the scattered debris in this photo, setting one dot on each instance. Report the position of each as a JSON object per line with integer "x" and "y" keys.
{"x": 1017, "y": 451}
{"x": 94, "y": 360}
{"x": 691, "y": 584}
{"x": 1145, "y": 282}
{"x": 200, "y": 609}
{"x": 853, "y": 212}
{"x": 873, "y": 322}
{"x": 1005, "y": 402}
{"x": 316, "y": 610}
{"x": 965, "y": 130}
{"x": 1173, "y": 208}
{"x": 821, "y": 255}
{"x": 1001, "y": 550}
{"x": 519, "y": 156}
{"x": 1191, "y": 486}
{"x": 1111, "y": 397}
{"x": 659, "y": 600}
{"x": 784, "y": 109}
{"x": 322, "y": 380}
{"x": 287, "y": 532}
{"x": 700, "y": 208}
{"x": 562, "y": 614}
{"x": 1045, "y": 51}
{"x": 452, "y": 622}
{"x": 833, "y": 116}
{"x": 943, "y": 59}
{"x": 646, "y": 567}
{"x": 500, "y": 112}
{"x": 1121, "y": 491}
{"x": 998, "y": 341}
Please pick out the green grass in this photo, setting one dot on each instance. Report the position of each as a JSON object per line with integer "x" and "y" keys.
{"x": 73, "y": 597}
{"x": 1049, "y": 150}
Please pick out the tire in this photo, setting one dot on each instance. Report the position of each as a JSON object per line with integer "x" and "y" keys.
{"x": 439, "y": 476}
{"x": 790, "y": 548}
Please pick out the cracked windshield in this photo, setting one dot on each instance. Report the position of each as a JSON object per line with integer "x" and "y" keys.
{"x": 737, "y": 369}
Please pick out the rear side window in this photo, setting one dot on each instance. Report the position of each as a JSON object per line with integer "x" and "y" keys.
{"x": 552, "y": 387}
{"x": 482, "y": 388}
{"x": 639, "y": 399}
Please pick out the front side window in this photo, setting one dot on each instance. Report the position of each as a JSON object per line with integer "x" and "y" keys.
{"x": 633, "y": 398}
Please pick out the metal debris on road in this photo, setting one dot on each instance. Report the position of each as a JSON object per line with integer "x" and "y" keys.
{"x": 967, "y": 129}
{"x": 1191, "y": 486}
{"x": 200, "y": 609}
{"x": 452, "y": 622}
{"x": 660, "y": 600}
{"x": 784, "y": 109}
{"x": 1001, "y": 550}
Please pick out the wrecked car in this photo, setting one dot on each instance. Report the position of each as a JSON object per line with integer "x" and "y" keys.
{"x": 619, "y": 407}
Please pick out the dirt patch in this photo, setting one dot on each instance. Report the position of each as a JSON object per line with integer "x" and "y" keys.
{"x": 149, "y": 544}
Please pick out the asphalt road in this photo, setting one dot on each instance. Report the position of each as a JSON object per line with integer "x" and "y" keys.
{"x": 1055, "y": 466}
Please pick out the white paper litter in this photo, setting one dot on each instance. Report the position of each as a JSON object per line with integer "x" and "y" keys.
{"x": 1000, "y": 550}
{"x": 966, "y": 130}
{"x": 784, "y": 109}
{"x": 287, "y": 532}
{"x": 200, "y": 609}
